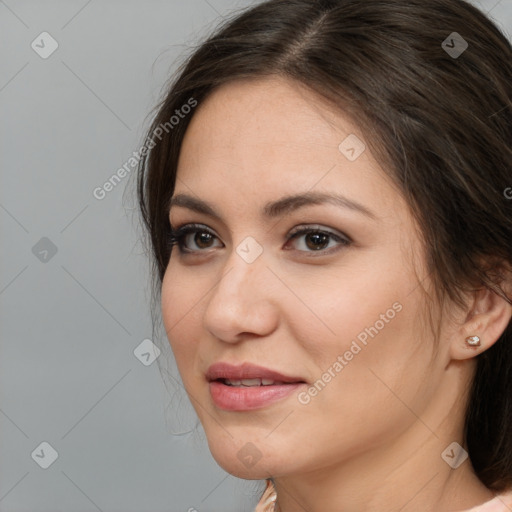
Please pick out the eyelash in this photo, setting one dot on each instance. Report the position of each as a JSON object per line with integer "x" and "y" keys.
{"x": 177, "y": 235}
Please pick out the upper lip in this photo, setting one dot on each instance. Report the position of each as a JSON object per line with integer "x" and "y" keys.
{"x": 246, "y": 370}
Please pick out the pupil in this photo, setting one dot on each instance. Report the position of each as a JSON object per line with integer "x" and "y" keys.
{"x": 202, "y": 237}
{"x": 318, "y": 237}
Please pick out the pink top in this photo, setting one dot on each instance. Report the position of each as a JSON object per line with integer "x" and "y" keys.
{"x": 501, "y": 503}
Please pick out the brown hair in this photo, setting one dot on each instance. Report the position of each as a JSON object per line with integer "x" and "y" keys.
{"x": 440, "y": 124}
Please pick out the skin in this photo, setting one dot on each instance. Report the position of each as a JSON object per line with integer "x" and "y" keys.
{"x": 372, "y": 439}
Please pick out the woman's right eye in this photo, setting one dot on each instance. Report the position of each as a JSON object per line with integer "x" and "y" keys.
{"x": 195, "y": 233}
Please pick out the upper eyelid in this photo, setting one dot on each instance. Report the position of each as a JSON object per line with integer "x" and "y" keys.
{"x": 316, "y": 227}
{"x": 295, "y": 229}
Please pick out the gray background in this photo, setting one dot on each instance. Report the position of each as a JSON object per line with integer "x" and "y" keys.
{"x": 70, "y": 321}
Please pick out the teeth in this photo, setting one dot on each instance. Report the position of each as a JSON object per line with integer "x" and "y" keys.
{"x": 250, "y": 382}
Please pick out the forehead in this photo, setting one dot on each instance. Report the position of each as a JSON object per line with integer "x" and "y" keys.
{"x": 267, "y": 138}
{"x": 266, "y": 112}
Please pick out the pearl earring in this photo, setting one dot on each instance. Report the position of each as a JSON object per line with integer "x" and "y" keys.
{"x": 474, "y": 341}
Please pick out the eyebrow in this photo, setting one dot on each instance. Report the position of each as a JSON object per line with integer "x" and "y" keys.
{"x": 277, "y": 208}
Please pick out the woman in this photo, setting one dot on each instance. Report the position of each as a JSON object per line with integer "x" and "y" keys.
{"x": 331, "y": 225}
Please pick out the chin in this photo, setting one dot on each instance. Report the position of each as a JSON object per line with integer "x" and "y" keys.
{"x": 242, "y": 459}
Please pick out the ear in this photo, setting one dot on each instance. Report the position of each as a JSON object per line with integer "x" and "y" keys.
{"x": 488, "y": 316}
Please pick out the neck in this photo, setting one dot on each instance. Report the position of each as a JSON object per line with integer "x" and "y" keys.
{"x": 406, "y": 487}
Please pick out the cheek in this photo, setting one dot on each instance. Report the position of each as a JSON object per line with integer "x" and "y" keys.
{"x": 180, "y": 307}
{"x": 368, "y": 343}
{"x": 364, "y": 303}
{"x": 375, "y": 377}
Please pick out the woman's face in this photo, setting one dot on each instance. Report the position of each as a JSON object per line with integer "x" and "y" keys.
{"x": 336, "y": 311}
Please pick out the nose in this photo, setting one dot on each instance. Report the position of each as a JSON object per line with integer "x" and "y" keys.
{"x": 244, "y": 301}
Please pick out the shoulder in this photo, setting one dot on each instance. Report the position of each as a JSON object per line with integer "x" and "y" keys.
{"x": 501, "y": 503}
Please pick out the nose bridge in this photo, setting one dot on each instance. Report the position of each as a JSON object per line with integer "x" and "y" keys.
{"x": 244, "y": 269}
{"x": 236, "y": 302}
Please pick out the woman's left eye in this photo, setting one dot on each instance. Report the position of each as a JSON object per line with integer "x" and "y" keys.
{"x": 318, "y": 239}
{"x": 314, "y": 239}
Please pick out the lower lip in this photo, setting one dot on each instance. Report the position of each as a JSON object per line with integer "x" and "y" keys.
{"x": 234, "y": 398}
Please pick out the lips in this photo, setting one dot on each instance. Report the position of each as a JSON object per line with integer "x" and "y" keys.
{"x": 247, "y": 387}
{"x": 247, "y": 372}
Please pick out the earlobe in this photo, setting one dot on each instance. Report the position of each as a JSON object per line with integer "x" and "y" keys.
{"x": 485, "y": 323}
